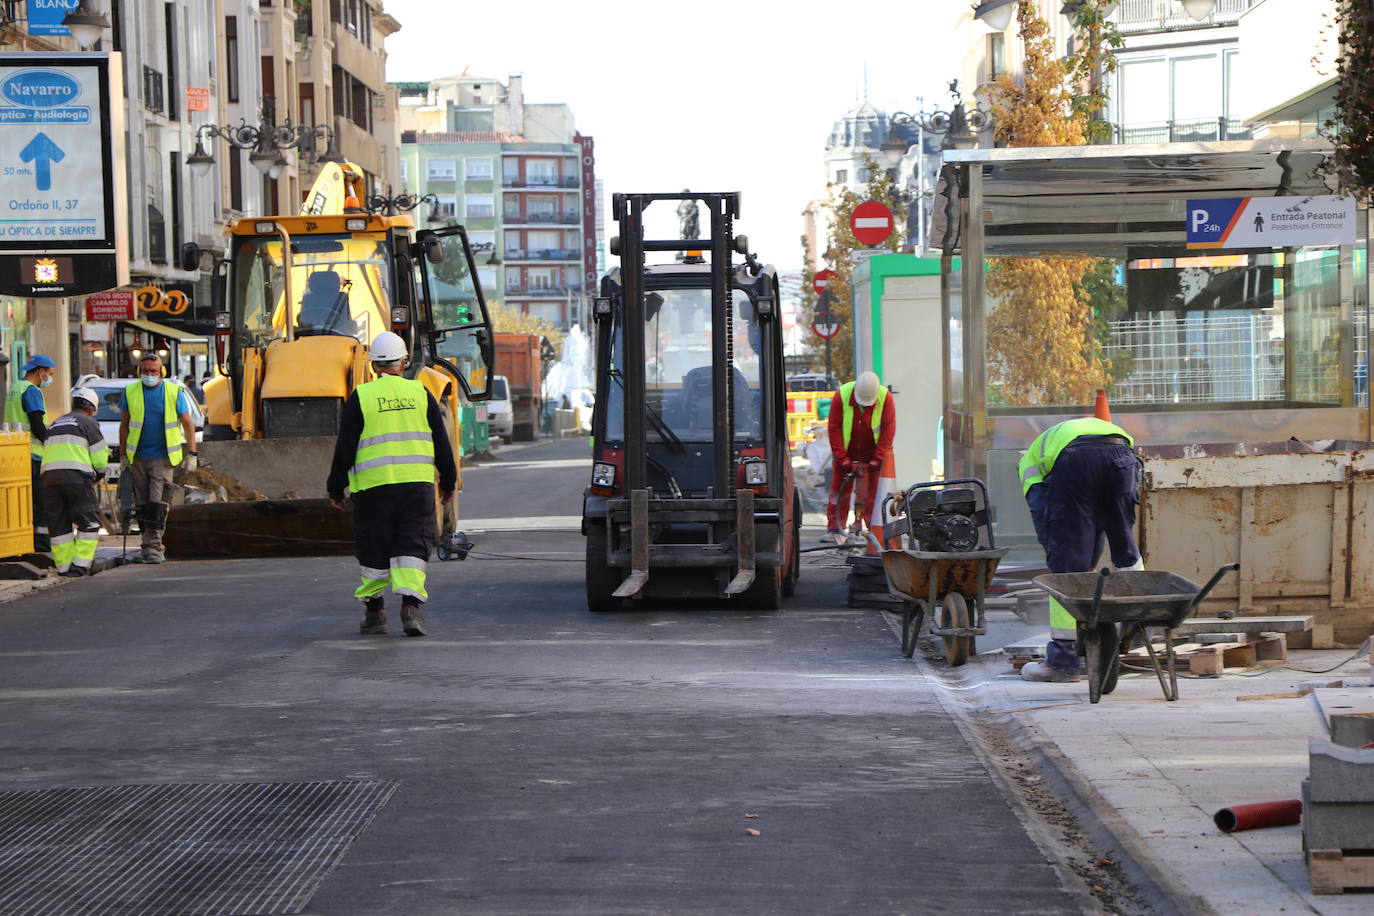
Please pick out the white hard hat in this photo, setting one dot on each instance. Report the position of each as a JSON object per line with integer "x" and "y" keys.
{"x": 866, "y": 389}
{"x": 87, "y": 395}
{"x": 387, "y": 348}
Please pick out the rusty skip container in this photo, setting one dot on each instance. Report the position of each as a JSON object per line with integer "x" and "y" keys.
{"x": 1297, "y": 516}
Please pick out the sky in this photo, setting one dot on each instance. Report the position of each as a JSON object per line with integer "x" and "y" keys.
{"x": 707, "y": 95}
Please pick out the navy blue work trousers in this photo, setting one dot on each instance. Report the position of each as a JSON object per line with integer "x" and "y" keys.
{"x": 1091, "y": 494}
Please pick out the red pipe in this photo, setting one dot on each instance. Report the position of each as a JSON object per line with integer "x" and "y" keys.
{"x": 1261, "y": 814}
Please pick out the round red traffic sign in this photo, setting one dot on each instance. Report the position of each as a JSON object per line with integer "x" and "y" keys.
{"x": 821, "y": 281}
{"x": 826, "y": 326}
{"x": 871, "y": 222}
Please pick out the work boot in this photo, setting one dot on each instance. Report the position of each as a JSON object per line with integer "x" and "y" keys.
{"x": 74, "y": 572}
{"x": 1039, "y": 671}
{"x": 374, "y": 620}
{"x": 411, "y": 620}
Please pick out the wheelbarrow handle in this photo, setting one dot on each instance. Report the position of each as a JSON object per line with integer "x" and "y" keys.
{"x": 1097, "y": 596}
{"x": 1211, "y": 584}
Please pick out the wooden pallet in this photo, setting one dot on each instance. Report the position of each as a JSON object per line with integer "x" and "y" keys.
{"x": 1337, "y": 871}
{"x": 1263, "y": 651}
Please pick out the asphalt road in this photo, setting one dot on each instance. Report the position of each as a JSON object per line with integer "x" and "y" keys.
{"x": 549, "y": 760}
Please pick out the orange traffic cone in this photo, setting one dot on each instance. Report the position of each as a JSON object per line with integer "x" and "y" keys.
{"x": 1102, "y": 410}
{"x": 887, "y": 485}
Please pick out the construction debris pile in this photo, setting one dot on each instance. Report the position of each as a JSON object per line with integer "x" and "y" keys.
{"x": 205, "y": 486}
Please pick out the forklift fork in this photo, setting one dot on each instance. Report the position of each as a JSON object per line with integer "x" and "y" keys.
{"x": 744, "y": 530}
{"x": 639, "y": 546}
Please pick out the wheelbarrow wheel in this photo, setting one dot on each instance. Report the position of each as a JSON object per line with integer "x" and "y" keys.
{"x": 953, "y": 616}
{"x": 1101, "y": 646}
{"x": 913, "y": 615}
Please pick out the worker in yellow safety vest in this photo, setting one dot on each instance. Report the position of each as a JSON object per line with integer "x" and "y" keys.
{"x": 73, "y": 456}
{"x": 157, "y": 434}
{"x": 391, "y": 444}
{"x": 25, "y": 411}
{"x": 1081, "y": 482}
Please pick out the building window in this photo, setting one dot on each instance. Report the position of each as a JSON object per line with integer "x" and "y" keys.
{"x": 543, "y": 277}
{"x": 447, "y": 207}
{"x": 542, "y": 208}
{"x": 480, "y": 205}
{"x": 540, "y": 171}
{"x": 997, "y": 55}
{"x": 478, "y": 169}
{"x": 174, "y": 186}
{"x": 861, "y": 175}
{"x": 483, "y": 240}
{"x": 157, "y": 236}
{"x": 442, "y": 169}
{"x": 231, "y": 57}
{"x": 405, "y": 172}
{"x": 170, "y": 27}
{"x": 841, "y": 176}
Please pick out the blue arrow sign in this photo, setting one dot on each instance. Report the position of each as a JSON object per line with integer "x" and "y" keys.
{"x": 42, "y": 152}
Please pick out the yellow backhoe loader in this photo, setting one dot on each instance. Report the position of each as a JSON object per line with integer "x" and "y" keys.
{"x": 297, "y": 301}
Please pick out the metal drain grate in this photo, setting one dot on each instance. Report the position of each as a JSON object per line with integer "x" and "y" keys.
{"x": 247, "y": 849}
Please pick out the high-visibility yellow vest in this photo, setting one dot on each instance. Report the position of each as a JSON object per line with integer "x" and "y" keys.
{"x": 1039, "y": 459}
{"x": 876, "y": 417}
{"x": 15, "y": 416}
{"x": 68, "y": 449}
{"x": 396, "y": 445}
{"x": 171, "y": 422}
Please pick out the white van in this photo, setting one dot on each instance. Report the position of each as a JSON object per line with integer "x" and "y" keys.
{"x": 500, "y": 415}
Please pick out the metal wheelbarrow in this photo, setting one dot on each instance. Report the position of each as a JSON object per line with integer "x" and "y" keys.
{"x": 927, "y": 579}
{"x": 1135, "y": 598}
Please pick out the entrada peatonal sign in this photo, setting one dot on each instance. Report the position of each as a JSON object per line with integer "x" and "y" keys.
{"x": 1271, "y": 222}
{"x": 61, "y": 175}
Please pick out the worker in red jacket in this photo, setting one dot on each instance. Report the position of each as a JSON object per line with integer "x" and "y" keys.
{"x": 863, "y": 420}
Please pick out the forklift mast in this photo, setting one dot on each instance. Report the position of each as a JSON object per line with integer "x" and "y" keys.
{"x": 628, "y": 211}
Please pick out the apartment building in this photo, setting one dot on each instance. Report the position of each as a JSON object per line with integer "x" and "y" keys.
{"x": 519, "y": 177}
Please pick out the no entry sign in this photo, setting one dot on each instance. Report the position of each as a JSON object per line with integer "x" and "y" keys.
{"x": 821, "y": 282}
{"x": 826, "y": 326}
{"x": 871, "y": 222}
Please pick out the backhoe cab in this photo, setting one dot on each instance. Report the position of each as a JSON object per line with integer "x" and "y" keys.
{"x": 691, "y": 492}
{"x": 298, "y": 301}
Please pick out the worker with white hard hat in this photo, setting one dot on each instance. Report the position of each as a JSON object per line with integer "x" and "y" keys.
{"x": 391, "y": 443}
{"x": 863, "y": 421}
{"x": 74, "y": 455}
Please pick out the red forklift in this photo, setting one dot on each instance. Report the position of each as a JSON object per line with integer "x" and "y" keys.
{"x": 691, "y": 493}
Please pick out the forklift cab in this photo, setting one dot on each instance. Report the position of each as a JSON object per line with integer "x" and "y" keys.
{"x": 689, "y": 422}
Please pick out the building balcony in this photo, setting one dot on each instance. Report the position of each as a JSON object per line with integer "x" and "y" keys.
{"x": 538, "y": 292}
{"x": 539, "y": 183}
{"x": 541, "y": 254}
{"x": 1167, "y": 15}
{"x": 557, "y": 219}
{"x": 1181, "y": 131}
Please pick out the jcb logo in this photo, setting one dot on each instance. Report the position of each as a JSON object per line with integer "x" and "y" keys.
{"x": 152, "y": 299}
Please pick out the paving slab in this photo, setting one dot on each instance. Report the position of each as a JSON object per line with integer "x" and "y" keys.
{"x": 1160, "y": 770}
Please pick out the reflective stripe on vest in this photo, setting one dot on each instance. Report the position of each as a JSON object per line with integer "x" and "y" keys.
{"x": 876, "y": 417}
{"x": 396, "y": 445}
{"x": 1038, "y": 461}
{"x": 68, "y": 449}
{"x": 171, "y": 422}
{"x": 16, "y": 419}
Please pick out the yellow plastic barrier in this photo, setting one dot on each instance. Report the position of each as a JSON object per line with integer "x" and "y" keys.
{"x": 803, "y": 412}
{"x": 16, "y": 496}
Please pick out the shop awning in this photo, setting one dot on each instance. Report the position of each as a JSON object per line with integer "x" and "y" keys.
{"x": 162, "y": 330}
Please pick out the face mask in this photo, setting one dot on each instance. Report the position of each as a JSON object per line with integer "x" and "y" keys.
{"x": 151, "y": 381}
{"x": 46, "y": 382}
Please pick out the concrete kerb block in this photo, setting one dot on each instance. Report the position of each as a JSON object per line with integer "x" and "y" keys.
{"x": 1352, "y": 729}
{"x": 1341, "y": 774}
{"x": 1336, "y": 825}
{"x": 20, "y": 569}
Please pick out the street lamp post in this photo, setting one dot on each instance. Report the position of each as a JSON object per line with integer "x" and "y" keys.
{"x": 267, "y": 141}
{"x": 959, "y": 127}
{"x": 86, "y": 25}
{"x": 389, "y": 205}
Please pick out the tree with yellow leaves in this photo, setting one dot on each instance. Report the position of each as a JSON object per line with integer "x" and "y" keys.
{"x": 1045, "y": 337}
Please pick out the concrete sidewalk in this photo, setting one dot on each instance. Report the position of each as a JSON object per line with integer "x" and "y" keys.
{"x": 1155, "y": 772}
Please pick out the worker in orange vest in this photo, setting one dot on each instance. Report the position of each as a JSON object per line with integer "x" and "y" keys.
{"x": 863, "y": 421}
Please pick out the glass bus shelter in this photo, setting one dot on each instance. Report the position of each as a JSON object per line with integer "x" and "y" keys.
{"x": 1076, "y": 276}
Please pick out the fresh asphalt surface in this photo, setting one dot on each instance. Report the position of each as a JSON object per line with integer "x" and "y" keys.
{"x": 550, "y": 760}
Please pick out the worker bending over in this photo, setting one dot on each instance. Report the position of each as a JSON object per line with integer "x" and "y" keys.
{"x": 1081, "y": 482}
{"x": 73, "y": 456}
{"x": 25, "y": 410}
{"x": 863, "y": 420}
{"x": 391, "y": 442}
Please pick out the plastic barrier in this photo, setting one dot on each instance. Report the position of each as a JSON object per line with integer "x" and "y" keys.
{"x": 16, "y": 496}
